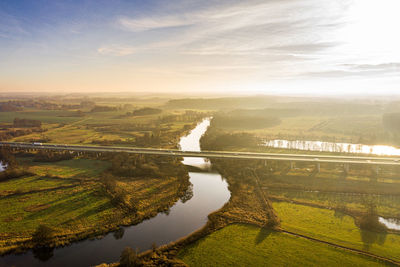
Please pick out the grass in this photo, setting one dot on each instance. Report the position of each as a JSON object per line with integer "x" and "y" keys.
{"x": 67, "y": 168}
{"x": 95, "y": 127}
{"x": 246, "y": 245}
{"x": 328, "y": 225}
{"x": 45, "y": 116}
{"x": 30, "y": 183}
{"x": 62, "y": 209}
{"x": 69, "y": 196}
{"x": 327, "y": 183}
{"x": 386, "y": 205}
{"x": 325, "y": 128}
{"x": 53, "y": 175}
{"x": 77, "y": 206}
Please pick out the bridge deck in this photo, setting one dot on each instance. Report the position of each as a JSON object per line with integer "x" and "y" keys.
{"x": 315, "y": 158}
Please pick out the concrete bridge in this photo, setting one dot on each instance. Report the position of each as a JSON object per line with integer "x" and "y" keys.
{"x": 316, "y": 159}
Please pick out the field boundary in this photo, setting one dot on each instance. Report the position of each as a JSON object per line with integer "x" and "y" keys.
{"x": 358, "y": 251}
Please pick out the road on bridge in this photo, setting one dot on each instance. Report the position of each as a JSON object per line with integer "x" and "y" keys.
{"x": 392, "y": 161}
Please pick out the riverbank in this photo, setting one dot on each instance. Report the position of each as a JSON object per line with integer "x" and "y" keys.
{"x": 75, "y": 206}
{"x": 247, "y": 205}
{"x": 170, "y": 221}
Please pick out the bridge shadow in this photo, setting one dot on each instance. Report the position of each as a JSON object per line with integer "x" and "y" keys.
{"x": 262, "y": 235}
{"x": 192, "y": 168}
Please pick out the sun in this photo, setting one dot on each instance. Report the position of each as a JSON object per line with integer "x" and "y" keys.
{"x": 371, "y": 30}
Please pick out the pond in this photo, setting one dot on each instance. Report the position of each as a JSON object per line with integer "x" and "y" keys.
{"x": 320, "y": 146}
{"x": 393, "y": 224}
{"x": 3, "y": 166}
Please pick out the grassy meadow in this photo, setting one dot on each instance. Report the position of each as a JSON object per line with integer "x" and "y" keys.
{"x": 336, "y": 227}
{"x": 247, "y": 245}
{"x": 69, "y": 197}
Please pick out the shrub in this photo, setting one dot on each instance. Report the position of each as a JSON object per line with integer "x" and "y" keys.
{"x": 129, "y": 258}
{"x": 43, "y": 235}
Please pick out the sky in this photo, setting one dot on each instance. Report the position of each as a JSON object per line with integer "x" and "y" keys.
{"x": 185, "y": 46}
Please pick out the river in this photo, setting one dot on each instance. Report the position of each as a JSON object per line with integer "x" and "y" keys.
{"x": 3, "y": 166}
{"x": 210, "y": 192}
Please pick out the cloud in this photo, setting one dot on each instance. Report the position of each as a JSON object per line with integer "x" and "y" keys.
{"x": 279, "y": 37}
{"x": 385, "y": 67}
{"x": 151, "y": 23}
{"x": 359, "y": 70}
{"x": 304, "y": 47}
{"x": 274, "y": 39}
{"x": 116, "y": 50}
{"x": 330, "y": 74}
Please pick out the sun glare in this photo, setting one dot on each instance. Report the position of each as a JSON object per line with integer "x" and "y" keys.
{"x": 371, "y": 29}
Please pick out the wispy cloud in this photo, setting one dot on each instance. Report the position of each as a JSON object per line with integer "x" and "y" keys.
{"x": 359, "y": 70}
{"x": 144, "y": 24}
{"x": 305, "y": 47}
{"x": 254, "y": 41}
{"x": 245, "y": 28}
{"x": 391, "y": 67}
{"x": 116, "y": 50}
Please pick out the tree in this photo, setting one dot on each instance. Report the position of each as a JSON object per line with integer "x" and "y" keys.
{"x": 43, "y": 235}
{"x": 129, "y": 258}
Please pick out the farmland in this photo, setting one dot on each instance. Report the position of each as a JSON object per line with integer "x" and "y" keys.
{"x": 91, "y": 194}
{"x": 336, "y": 227}
{"x": 87, "y": 195}
{"x": 246, "y": 245}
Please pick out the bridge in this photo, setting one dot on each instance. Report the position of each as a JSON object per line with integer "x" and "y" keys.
{"x": 292, "y": 158}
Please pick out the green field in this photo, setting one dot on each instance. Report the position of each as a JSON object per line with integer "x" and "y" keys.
{"x": 70, "y": 197}
{"x": 328, "y": 225}
{"x": 45, "y": 116}
{"x": 52, "y": 175}
{"x": 97, "y": 127}
{"x": 67, "y": 168}
{"x": 77, "y": 208}
{"x": 386, "y": 205}
{"x": 60, "y": 194}
{"x": 246, "y": 245}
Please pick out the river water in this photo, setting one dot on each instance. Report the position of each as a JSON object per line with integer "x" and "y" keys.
{"x": 3, "y": 166}
{"x": 393, "y": 224}
{"x": 210, "y": 192}
{"x": 334, "y": 147}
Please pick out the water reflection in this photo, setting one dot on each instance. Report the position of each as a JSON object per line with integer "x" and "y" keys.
{"x": 3, "y": 166}
{"x": 119, "y": 233}
{"x": 188, "y": 194}
{"x": 43, "y": 253}
{"x": 191, "y": 142}
{"x": 334, "y": 147}
{"x": 393, "y": 224}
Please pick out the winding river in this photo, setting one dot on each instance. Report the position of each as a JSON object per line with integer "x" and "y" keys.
{"x": 210, "y": 192}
